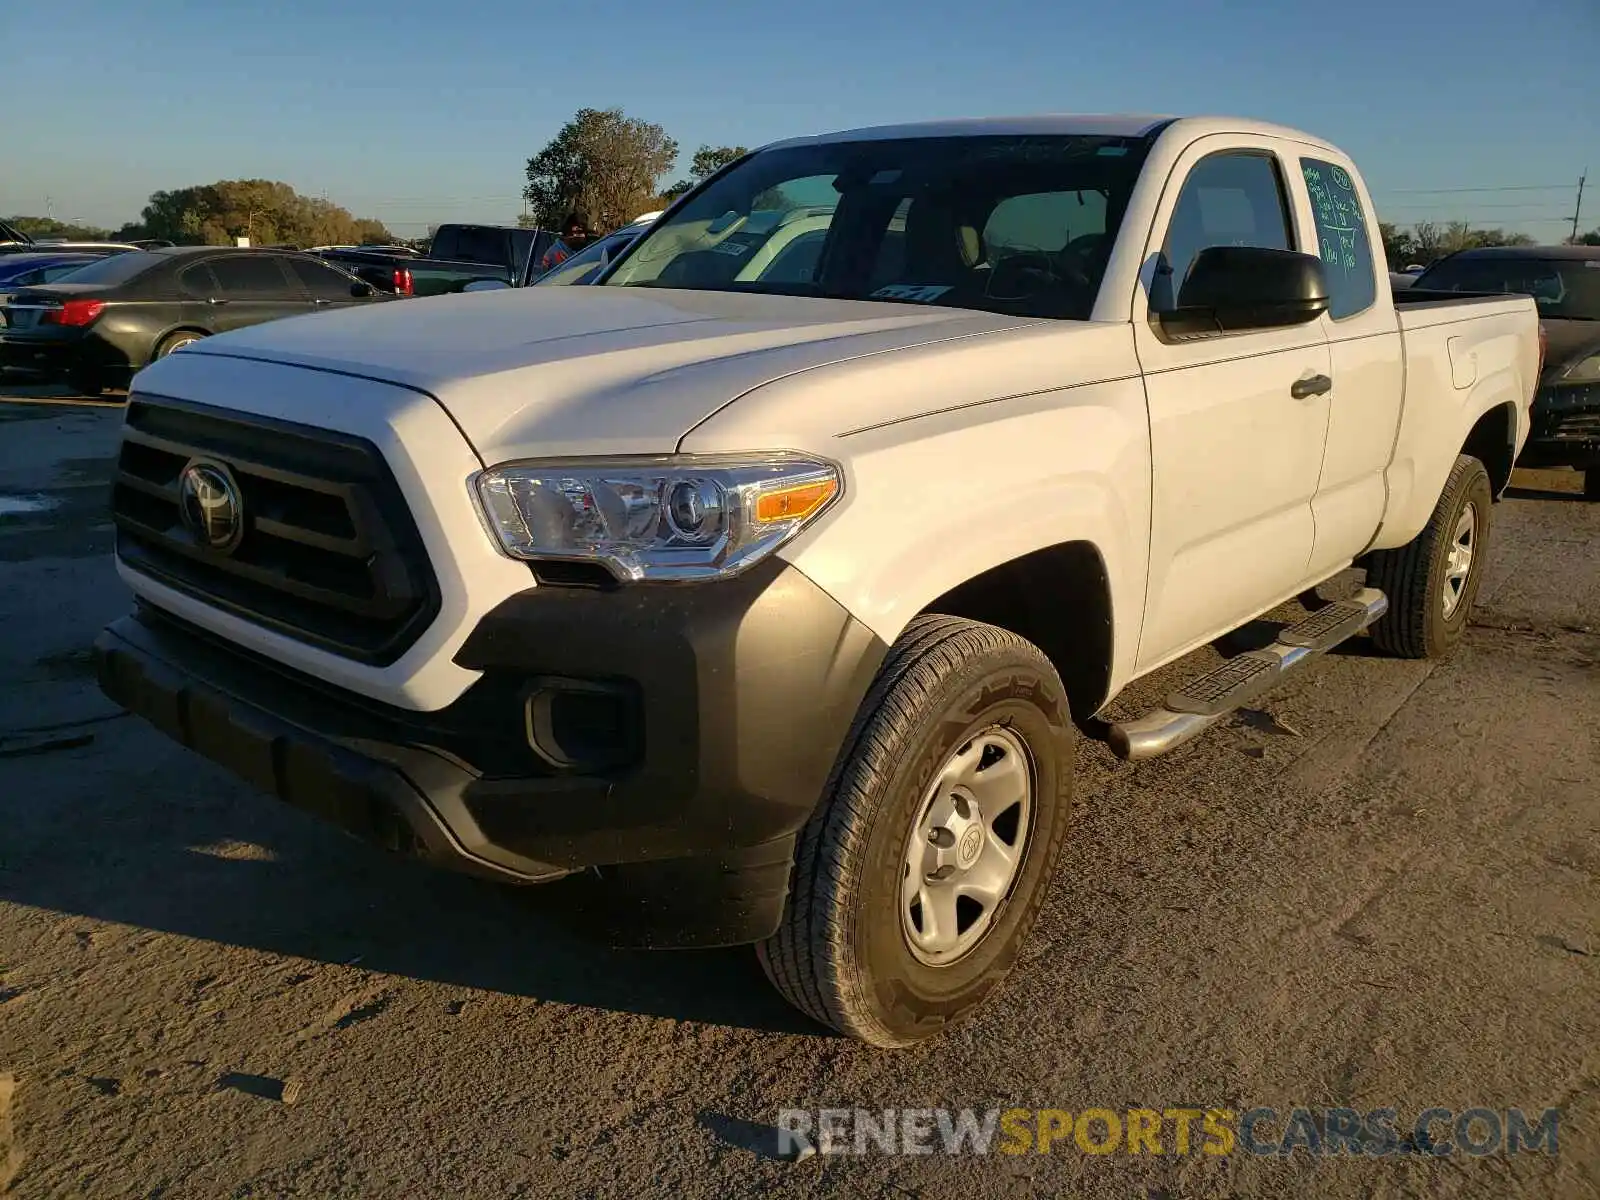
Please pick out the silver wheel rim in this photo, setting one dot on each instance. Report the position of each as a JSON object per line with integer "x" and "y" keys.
{"x": 180, "y": 343}
{"x": 966, "y": 846}
{"x": 1458, "y": 564}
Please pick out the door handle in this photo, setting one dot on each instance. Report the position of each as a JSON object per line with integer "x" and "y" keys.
{"x": 1317, "y": 385}
{"x": 322, "y": 303}
{"x": 215, "y": 300}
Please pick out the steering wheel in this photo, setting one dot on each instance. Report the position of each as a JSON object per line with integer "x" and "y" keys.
{"x": 1077, "y": 259}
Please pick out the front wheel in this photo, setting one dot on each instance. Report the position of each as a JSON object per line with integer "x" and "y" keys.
{"x": 1432, "y": 581}
{"x": 922, "y": 871}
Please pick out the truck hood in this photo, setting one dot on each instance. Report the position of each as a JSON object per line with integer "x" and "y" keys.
{"x": 590, "y": 370}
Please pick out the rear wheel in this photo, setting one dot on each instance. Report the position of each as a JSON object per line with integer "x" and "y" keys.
{"x": 1432, "y": 581}
{"x": 920, "y": 875}
{"x": 175, "y": 341}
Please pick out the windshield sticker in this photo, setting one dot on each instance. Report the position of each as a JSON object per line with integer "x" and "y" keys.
{"x": 921, "y": 293}
{"x": 733, "y": 248}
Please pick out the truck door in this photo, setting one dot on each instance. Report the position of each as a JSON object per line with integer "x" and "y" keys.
{"x": 1235, "y": 446}
{"x": 1368, "y": 369}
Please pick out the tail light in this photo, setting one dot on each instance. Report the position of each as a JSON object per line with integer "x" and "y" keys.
{"x": 402, "y": 282}
{"x": 73, "y": 312}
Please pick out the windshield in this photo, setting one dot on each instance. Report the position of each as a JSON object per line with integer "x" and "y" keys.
{"x": 1014, "y": 225}
{"x": 116, "y": 268}
{"x": 1563, "y": 288}
{"x": 581, "y": 264}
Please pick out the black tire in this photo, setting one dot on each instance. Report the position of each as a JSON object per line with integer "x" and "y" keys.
{"x": 174, "y": 340}
{"x": 842, "y": 954}
{"x": 1591, "y": 484}
{"x": 1413, "y": 576}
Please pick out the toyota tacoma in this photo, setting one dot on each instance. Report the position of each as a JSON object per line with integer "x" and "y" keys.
{"x": 773, "y": 604}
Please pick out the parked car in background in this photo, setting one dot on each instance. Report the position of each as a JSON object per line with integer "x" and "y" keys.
{"x": 14, "y": 241}
{"x": 125, "y": 311}
{"x": 19, "y": 271}
{"x": 1564, "y": 282}
{"x": 459, "y": 255}
{"x": 1400, "y": 279}
{"x": 70, "y": 244}
{"x": 587, "y": 263}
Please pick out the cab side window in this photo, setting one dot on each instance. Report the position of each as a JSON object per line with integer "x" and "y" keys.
{"x": 1341, "y": 238}
{"x": 1235, "y": 198}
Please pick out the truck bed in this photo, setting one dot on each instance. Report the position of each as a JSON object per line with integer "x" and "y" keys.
{"x": 1412, "y": 298}
{"x": 1455, "y": 345}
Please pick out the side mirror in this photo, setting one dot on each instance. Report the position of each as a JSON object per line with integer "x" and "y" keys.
{"x": 1230, "y": 289}
{"x": 361, "y": 290}
{"x": 486, "y": 285}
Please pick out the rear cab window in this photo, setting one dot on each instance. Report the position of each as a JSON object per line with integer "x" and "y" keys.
{"x": 475, "y": 244}
{"x": 1342, "y": 239}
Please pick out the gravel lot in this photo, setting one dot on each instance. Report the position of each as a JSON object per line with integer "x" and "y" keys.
{"x": 1382, "y": 890}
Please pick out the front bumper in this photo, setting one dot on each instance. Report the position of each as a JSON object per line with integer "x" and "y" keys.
{"x": 1565, "y": 428}
{"x": 675, "y": 738}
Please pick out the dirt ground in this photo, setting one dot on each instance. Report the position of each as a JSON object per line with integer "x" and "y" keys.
{"x": 1380, "y": 890}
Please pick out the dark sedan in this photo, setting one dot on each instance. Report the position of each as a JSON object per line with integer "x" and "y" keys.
{"x": 121, "y": 313}
{"x": 18, "y": 271}
{"x": 1564, "y": 282}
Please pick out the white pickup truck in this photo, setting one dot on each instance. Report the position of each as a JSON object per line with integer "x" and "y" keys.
{"x": 768, "y": 605}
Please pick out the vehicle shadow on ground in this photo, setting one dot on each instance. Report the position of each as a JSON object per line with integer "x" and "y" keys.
{"x": 242, "y": 872}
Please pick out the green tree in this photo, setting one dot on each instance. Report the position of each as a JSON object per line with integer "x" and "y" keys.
{"x": 262, "y": 210}
{"x": 1432, "y": 240}
{"x": 1592, "y": 238}
{"x": 1399, "y": 246}
{"x": 602, "y": 162}
{"x": 708, "y": 160}
{"x": 49, "y": 227}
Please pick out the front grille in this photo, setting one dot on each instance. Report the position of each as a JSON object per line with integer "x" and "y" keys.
{"x": 329, "y": 554}
{"x": 1568, "y": 414}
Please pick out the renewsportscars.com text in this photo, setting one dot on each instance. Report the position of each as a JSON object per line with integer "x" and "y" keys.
{"x": 1216, "y": 1132}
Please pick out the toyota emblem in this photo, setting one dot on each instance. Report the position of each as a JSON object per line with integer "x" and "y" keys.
{"x": 210, "y": 506}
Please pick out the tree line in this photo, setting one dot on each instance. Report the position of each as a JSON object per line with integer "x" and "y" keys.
{"x": 215, "y": 214}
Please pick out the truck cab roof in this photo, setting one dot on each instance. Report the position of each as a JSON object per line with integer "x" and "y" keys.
{"x": 1061, "y": 124}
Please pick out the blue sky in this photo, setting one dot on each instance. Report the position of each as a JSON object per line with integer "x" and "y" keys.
{"x": 421, "y": 112}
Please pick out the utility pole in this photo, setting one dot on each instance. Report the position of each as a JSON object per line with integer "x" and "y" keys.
{"x": 1578, "y": 209}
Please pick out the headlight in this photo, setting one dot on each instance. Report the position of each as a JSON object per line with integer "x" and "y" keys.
{"x": 1585, "y": 370}
{"x": 679, "y": 517}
